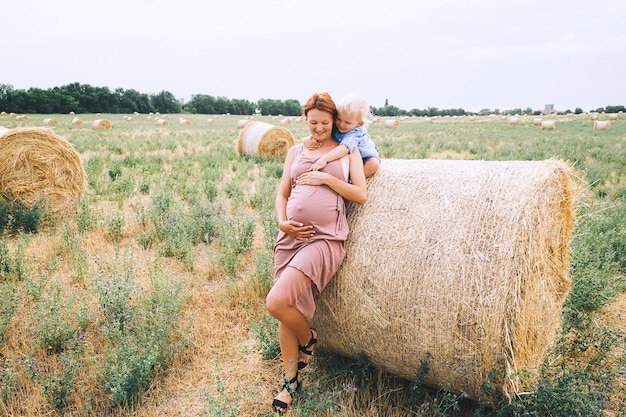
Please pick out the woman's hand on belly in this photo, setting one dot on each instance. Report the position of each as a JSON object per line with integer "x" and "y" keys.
{"x": 296, "y": 229}
{"x": 312, "y": 178}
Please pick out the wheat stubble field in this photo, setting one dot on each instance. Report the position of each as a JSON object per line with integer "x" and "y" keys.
{"x": 147, "y": 300}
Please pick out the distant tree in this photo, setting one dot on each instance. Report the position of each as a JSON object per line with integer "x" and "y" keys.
{"x": 165, "y": 102}
{"x": 614, "y": 109}
{"x": 222, "y": 105}
{"x": 201, "y": 104}
{"x": 6, "y": 90}
{"x": 292, "y": 108}
{"x": 131, "y": 101}
{"x": 578, "y": 110}
{"x": 240, "y": 106}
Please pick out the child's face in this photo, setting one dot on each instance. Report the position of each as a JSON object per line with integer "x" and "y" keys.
{"x": 346, "y": 122}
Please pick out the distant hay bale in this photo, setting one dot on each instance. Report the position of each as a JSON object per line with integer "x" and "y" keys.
{"x": 21, "y": 117}
{"x": 162, "y": 122}
{"x": 184, "y": 122}
{"x": 242, "y": 123}
{"x": 50, "y": 122}
{"x": 601, "y": 125}
{"x": 391, "y": 123}
{"x": 460, "y": 263}
{"x": 613, "y": 116}
{"x": 72, "y": 113}
{"x": 102, "y": 124}
{"x": 547, "y": 124}
{"x": 472, "y": 118}
{"x": 594, "y": 116}
{"x": 210, "y": 121}
{"x": 77, "y": 121}
{"x": 35, "y": 162}
{"x": 514, "y": 120}
{"x": 264, "y": 139}
{"x": 3, "y": 113}
{"x": 537, "y": 121}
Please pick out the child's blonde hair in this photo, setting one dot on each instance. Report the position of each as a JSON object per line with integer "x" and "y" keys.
{"x": 353, "y": 103}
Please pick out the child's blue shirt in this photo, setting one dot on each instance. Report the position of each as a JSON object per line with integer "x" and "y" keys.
{"x": 358, "y": 138}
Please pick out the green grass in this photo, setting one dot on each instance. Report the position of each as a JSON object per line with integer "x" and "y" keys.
{"x": 173, "y": 208}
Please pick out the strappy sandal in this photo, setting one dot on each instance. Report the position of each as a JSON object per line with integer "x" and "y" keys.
{"x": 307, "y": 349}
{"x": 291, "y": 387}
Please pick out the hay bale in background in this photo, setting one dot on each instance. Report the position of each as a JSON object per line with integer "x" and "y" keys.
{"x": 465, "y": 261}
{"x": 242, "y": 123}
{"x": 35, "y": 162}
{"x": 601, "y": 125}
{"x": 77, "y": 121}
{"x": 49, "y": 122}
{"x": 547, "y": 124}
{"x": 101, "y": 124}
{"x": 264, "y": 139}
{"x": 391, "y": 123}
{"x": 162, "y": 122}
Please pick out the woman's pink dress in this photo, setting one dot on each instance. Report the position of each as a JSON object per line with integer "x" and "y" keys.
{"x": 320, "y": 256}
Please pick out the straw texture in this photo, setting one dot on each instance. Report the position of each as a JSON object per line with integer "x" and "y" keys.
{"x": 460, "y": 263}
{"x": 35, "y": 162}
{"x": 264, "y": 139}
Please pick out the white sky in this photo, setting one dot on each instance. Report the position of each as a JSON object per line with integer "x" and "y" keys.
{"x": 470, "y": 54}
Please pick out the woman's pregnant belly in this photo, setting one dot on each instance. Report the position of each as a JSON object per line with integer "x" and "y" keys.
{"x": 315, "y": 205}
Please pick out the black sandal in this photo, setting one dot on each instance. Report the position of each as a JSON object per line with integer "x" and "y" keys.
{"x": 291, "y": 387}
{"x": 307, "y": 350}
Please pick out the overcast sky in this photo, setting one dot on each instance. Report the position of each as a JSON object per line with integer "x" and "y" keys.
{"x": 469, "y": 54}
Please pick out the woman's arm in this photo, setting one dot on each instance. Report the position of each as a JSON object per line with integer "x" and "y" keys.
{"x": 356, "y": 190}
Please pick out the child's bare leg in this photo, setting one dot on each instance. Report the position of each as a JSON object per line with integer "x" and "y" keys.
{"x": 370, "y": 166}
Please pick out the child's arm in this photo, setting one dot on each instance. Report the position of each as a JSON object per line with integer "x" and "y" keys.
{"x": 337, "y": 152}
{"x": 310, "y": 144}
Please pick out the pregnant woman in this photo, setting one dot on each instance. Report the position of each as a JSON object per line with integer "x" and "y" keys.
{"x": 311, "y": 243}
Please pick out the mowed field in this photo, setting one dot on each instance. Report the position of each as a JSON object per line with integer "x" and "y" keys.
{"x": 148, "y": 300}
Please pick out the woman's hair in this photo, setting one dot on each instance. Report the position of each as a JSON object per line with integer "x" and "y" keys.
{"x": 355, "y": 104}
{"x": 321, "y": 101}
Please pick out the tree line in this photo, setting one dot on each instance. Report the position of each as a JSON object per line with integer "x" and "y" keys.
{"x": 84, "y": 98}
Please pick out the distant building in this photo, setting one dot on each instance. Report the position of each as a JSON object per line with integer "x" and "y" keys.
{"x": 549, "y": 109}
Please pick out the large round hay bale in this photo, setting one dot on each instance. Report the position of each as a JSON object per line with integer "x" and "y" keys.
{"x": 36, "y": 163}
{"x": 264, "y": 139}
{"x": 463, "y": 264}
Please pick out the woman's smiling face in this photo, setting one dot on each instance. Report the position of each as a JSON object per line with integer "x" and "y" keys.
{"x": 320, "y": 124}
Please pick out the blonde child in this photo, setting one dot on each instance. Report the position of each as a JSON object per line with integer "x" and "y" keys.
{"x": 351, "y": 132}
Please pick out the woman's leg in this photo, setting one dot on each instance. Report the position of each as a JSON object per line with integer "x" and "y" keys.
{"x": 293, "y": 328}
